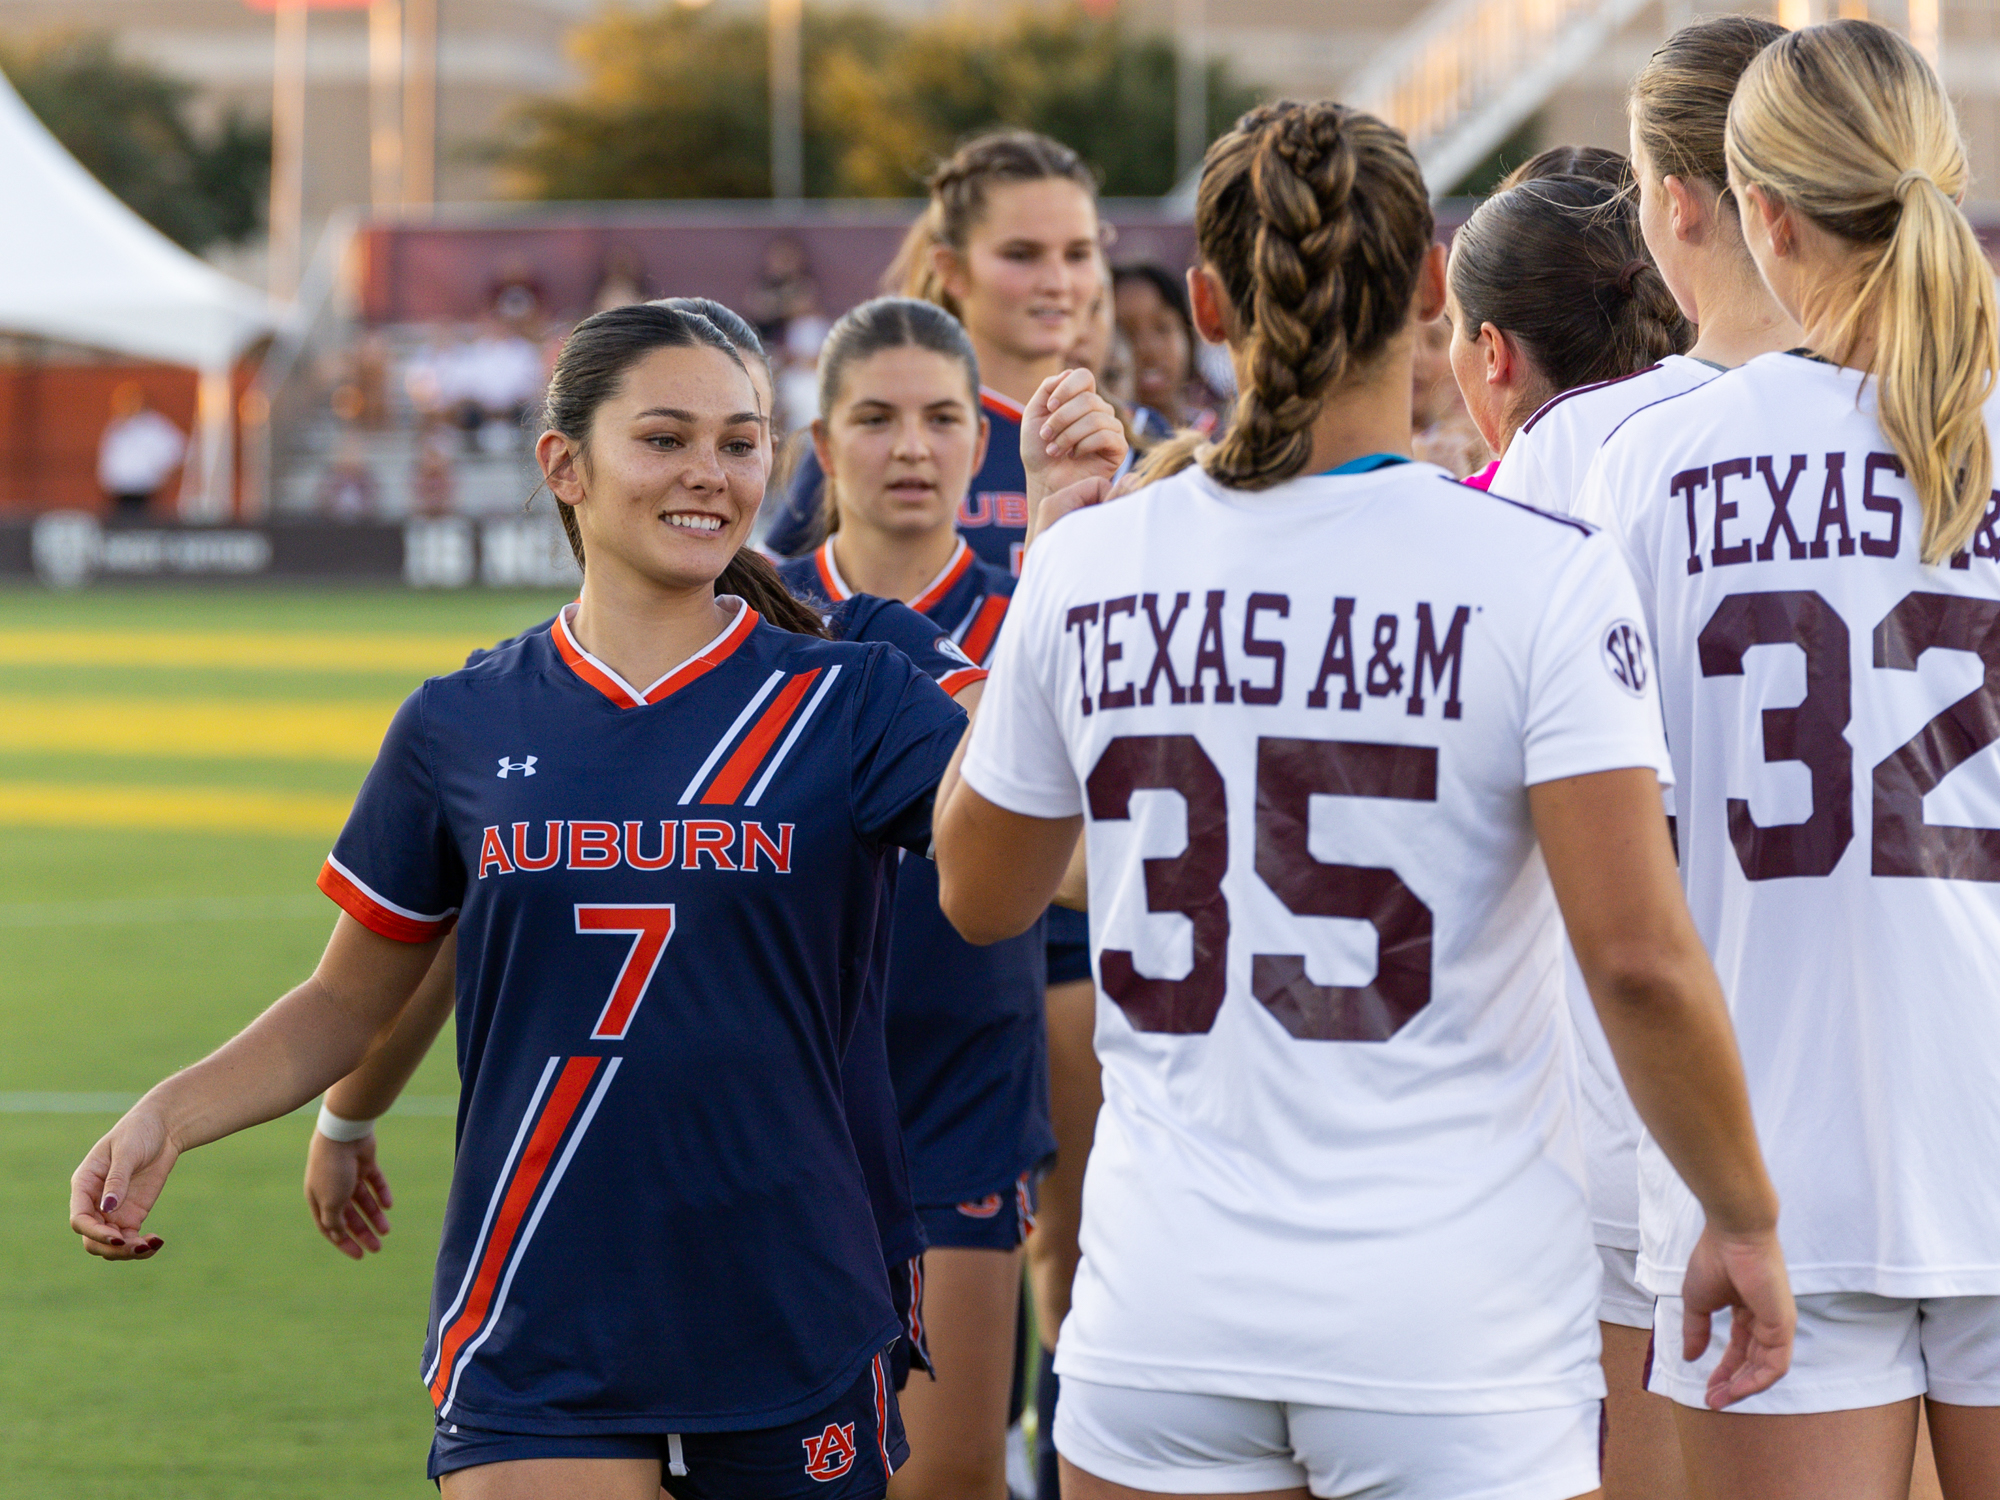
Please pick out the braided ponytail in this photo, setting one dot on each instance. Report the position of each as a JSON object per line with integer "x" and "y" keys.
{"x": 1316, "y": 219}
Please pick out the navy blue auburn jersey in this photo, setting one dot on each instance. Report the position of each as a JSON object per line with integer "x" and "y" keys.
{"x": 667, "y": 899}
{"x": 968, "y": 1045}
{"x": 869, "y": 1096}
{"x": 993, "y": 516}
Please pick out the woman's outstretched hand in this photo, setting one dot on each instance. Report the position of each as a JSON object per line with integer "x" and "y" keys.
{"x": 1069, "y": 433}
{"x": 348, "y": 1195}
{"x": 114, "y": 1189}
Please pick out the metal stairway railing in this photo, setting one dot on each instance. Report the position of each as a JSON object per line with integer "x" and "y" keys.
{"x": 1466, "y": 73}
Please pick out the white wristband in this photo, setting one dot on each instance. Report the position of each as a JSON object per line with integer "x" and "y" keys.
{"x": 336, "y": 1129}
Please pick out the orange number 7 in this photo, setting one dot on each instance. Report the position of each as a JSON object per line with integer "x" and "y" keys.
{"x": 650, "y": 927}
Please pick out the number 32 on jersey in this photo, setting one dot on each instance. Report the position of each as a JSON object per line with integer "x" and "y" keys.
{"x": 1290, "y": 773}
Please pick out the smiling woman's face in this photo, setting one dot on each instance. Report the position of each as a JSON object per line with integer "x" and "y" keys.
{"x": 672, "y": 470}
{"x": 902, "y": 441}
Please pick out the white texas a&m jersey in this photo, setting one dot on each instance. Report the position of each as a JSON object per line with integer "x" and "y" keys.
{"x": 1337, "y": 1160}
{"x": 1545, "y": 463}
{"x": 1832, "y": 703}
{"x": 1545, "y": 466}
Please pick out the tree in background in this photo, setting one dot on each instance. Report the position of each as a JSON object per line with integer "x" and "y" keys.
{"x": 131, "y": 127}
{"x": 674, "y": 102}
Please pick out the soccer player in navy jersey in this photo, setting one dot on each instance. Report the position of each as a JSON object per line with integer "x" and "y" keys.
{"x": 346, "y": 1189}
{"x": 899, "y": 436}
{"x": 659, "y": 1261}
{"x": 1009, "y": 245}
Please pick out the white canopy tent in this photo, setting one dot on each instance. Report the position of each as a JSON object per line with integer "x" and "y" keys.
{"x": 77, "y": 265}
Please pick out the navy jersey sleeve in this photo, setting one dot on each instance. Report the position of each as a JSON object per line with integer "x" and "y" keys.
{"x": 480, "y": 653}
{"x": 795, "y": 511}
{"x": 863, "y": 617}
{"x": 395, "y": 868}
{"x": 905, "y": 730}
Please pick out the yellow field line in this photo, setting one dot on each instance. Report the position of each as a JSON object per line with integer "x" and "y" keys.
{"x": 204, "y": 728}
{"x": 196, "y": 809}
{"x": 293, "y": 651}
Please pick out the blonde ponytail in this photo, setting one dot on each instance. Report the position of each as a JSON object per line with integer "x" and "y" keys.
{"x": 1848, "y": 124}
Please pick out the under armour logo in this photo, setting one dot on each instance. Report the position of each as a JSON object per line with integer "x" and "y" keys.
{"x": 831, "y": 1454}
{"x": 525, "y": 767}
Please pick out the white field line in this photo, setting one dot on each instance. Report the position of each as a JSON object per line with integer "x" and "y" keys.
{"x": 433, "y": 1106}
{"x": 162, "y": 909}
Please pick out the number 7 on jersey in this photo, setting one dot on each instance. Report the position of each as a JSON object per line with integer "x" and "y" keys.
{"x": 650, "y": 927}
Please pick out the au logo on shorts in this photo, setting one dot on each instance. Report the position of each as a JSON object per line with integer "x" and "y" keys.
{"x": 831, "y": 1454}
{"x": 981, "y": 1208}
{"x": 1625, "y": 657}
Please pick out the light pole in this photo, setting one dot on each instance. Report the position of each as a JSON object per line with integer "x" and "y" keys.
{"x": 385, "y": 104}
{"x": 420, "y": 90}
{"x": 788, "y": 125}
{"x": 1190, "y": 85}
{"x": 288, "y": 148}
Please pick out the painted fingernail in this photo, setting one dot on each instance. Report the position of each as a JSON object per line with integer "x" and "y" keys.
{"x": 119, "y": 1243}
{"x": 110, "y": 1202}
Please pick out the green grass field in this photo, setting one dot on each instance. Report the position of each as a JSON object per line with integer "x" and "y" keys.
{"x": 172, "y": 768}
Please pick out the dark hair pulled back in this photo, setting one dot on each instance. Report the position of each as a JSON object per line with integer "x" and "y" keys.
{"x": 958, "y": 192}
{"x": 1598, "y": 162}
{"x": 885, "y": 323}
{"x": 1558, "y": 262}
{"x": 1316, "y": 218}
{"x": 732, "y": 325}
{"x": 590, "y": 370}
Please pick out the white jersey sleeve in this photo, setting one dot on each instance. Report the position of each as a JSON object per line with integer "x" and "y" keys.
{"x": 1018, "y": 759}
{"x": 1590, "y": 704}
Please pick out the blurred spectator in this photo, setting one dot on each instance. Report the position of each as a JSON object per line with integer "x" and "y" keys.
{"x": 489, "y": 386}
{"x": 347, "y": 491}
{"x": 806, "y": 329}
{"x": 784, "y": 289}
{"x": 139, "y": 452}
{"x": 1152, "y": 311}
{"x": 516, "y": 297}
{"x": 621, "y": 280}
{"x": 432, "y": 479}
{"x": 1444, "y": 433}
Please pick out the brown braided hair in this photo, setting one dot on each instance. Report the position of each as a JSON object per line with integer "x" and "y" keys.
{"x": 958, "y": 189}
{"x": 1316, "y": 219}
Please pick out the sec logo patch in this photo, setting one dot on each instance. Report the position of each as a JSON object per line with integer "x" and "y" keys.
{"x": 1625, "y": 657}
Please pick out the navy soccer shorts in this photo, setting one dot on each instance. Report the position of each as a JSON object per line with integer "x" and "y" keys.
{"x": 1068, "y": 945}
{"x": 845, "y": 1451}
{"x": 1000, "y": 1220}
{"x": 911, "y": 1349}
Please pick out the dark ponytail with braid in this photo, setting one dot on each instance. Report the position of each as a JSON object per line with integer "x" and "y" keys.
{"x": 1316, "y": 218}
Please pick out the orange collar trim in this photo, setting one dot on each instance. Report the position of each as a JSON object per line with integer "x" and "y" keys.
{"x": 621, "y": 692}
{"x": 1001, "y": 406}
{"x": 836, "y": 587}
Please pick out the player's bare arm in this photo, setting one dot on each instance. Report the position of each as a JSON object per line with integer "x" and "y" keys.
{"x": 1662, "y": 1007}
{"x": 346, "y": 1189}
{"x": 292, "y": 1052}
{"x": 997, "y": 870}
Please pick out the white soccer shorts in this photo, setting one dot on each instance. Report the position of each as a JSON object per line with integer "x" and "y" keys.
{"x": 1175, "y": 1443}
{"x": 1620, "y": 1298}
{"x": 1853, "y": 1350}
